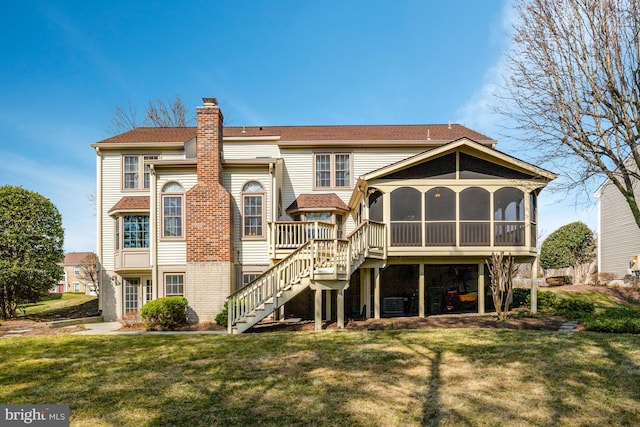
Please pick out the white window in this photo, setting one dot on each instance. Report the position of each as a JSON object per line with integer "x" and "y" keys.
{"x": 174, "y": 284}
{"x": 135, "y": 231}
{"x": 332, "y": 170}
{"x": 76, "y": 286}
{"x": 133, "y": 167}
{"x": 76, "y": 270}
{"x": 172, "y": 210}
{"x": 253, "y": 210}
{"x": 130, "y": 171}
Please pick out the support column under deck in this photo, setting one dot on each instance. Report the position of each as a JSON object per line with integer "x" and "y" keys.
{"x": 376, "y": 292}
{"x": 318, "y": 309}
{"x": 340, "y": 308}
{"x": 534, "y": 286}
{"x": 481, "y": 288}
{"x": 421, "y": 312}
{"x": 365, "y": 292}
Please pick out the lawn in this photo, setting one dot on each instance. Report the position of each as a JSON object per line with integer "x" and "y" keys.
{"x": 337, "y": 378}
{"x": 54, "y": 303}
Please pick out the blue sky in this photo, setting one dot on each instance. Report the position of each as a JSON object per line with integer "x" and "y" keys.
{"x": 65, "y": 65}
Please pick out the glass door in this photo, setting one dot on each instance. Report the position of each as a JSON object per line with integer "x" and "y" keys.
{"x": 131, "y": 295}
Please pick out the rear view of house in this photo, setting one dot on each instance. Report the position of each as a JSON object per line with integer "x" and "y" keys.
{"x": 328, "y": 222}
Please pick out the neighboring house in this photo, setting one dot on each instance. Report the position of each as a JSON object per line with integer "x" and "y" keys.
{"x": 72, "y": 280}
{"x": 618, "y": 233}
{"x": 324, "y": 222}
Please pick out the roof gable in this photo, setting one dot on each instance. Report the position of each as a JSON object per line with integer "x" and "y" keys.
{"x": 308, "y": 202}
{"x": 442, "y": 164}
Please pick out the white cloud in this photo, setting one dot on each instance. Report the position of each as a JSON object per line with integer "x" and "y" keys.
{"x": 66, "y": 187}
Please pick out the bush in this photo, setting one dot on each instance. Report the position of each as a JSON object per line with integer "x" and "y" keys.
{"x": 547, "y": 301}
{"x": 521, "y": 297}
{"x": 164, "y": 313}
{"x": 615, "y": 320}
{"x": 573, "y": 308}
{"x": 222, "y": 318}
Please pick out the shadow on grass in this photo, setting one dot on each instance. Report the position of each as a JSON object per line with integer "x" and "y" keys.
{"x": 428, "y": 377}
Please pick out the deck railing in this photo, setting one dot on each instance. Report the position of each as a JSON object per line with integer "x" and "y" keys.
{"x": 475, "y": 233}
{"x": 509, "y": 234}
{"x": 293, "y": 234}
{"x": 406, "y": 233}
{"x": 440, "y": 233}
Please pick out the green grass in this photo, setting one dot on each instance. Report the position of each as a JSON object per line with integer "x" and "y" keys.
{"x": 600, "y": 300}
{"x": 53, "y": 303}
{"x": 335, "y": 378}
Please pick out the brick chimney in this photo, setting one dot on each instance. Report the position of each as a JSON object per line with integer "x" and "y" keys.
{"x": 209, "y": 141}
{"x": 209, "y": 210}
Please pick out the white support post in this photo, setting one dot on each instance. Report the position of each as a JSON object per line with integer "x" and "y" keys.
{"x": 421, "y": 312}
{"x": 376, "y": 293}
{"x": 318, "y": 309}
{"x": 481, "y": 288}
{"x": 534, "y": 286}
{"x": 340, "y": 308}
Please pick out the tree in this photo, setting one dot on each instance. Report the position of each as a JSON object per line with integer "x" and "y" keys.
{"x": 573, "y": 88}
{"x": 89, "y": 271}
{"x": 571, "y": 245}
{"x": 31, "y": 247}
{"x": 501, "y": 270}
{"x": 159, "y": 114}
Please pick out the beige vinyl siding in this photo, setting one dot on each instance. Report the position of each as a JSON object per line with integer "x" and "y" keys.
{"x": 111, "y": 194}
{"x": 248, "y": 251}
{"x": 298, "y": 171}
{"x": 172, "y": 252}
{"x": 619, "y": 236}
{"x": 250, "y": 150}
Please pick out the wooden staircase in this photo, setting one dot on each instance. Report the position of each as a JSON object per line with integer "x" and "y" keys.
{"x": 315, "y": 260}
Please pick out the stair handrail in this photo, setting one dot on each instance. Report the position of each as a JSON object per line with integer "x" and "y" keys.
{"x": 269, "y": 284}
{"x": 339, "y": 254}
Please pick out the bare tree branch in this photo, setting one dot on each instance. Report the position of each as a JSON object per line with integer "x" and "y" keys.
{"x": 124, "y": 119}
{"x": 159, "y": 114}
{"x": 170, "y": 114}
{"x": 574, "y": 89}
{"x": 89, "y": 271}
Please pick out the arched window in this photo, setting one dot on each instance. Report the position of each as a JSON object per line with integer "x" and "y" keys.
{"x": 474, "y": 204}
{"x": 508, "y": 204}
{"x": 475, "y": 216}
{"x": 376, "y": 206}
{"x": 172, "y": 210}
{"x": 440, "y": 204}
{"x": 406, "y": 217}
{"x": 440, "y": 216}
{"x": 508, "y": 213}
{"x": 253, "y": 210}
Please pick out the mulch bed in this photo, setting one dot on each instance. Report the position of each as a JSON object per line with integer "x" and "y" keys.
{"x": 540, "y": 321}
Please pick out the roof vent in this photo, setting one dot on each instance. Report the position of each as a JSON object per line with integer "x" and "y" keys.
{"x": 449, "y": 125}
{"x": 244, "y": 130}
{"x": 428, "y": 134}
